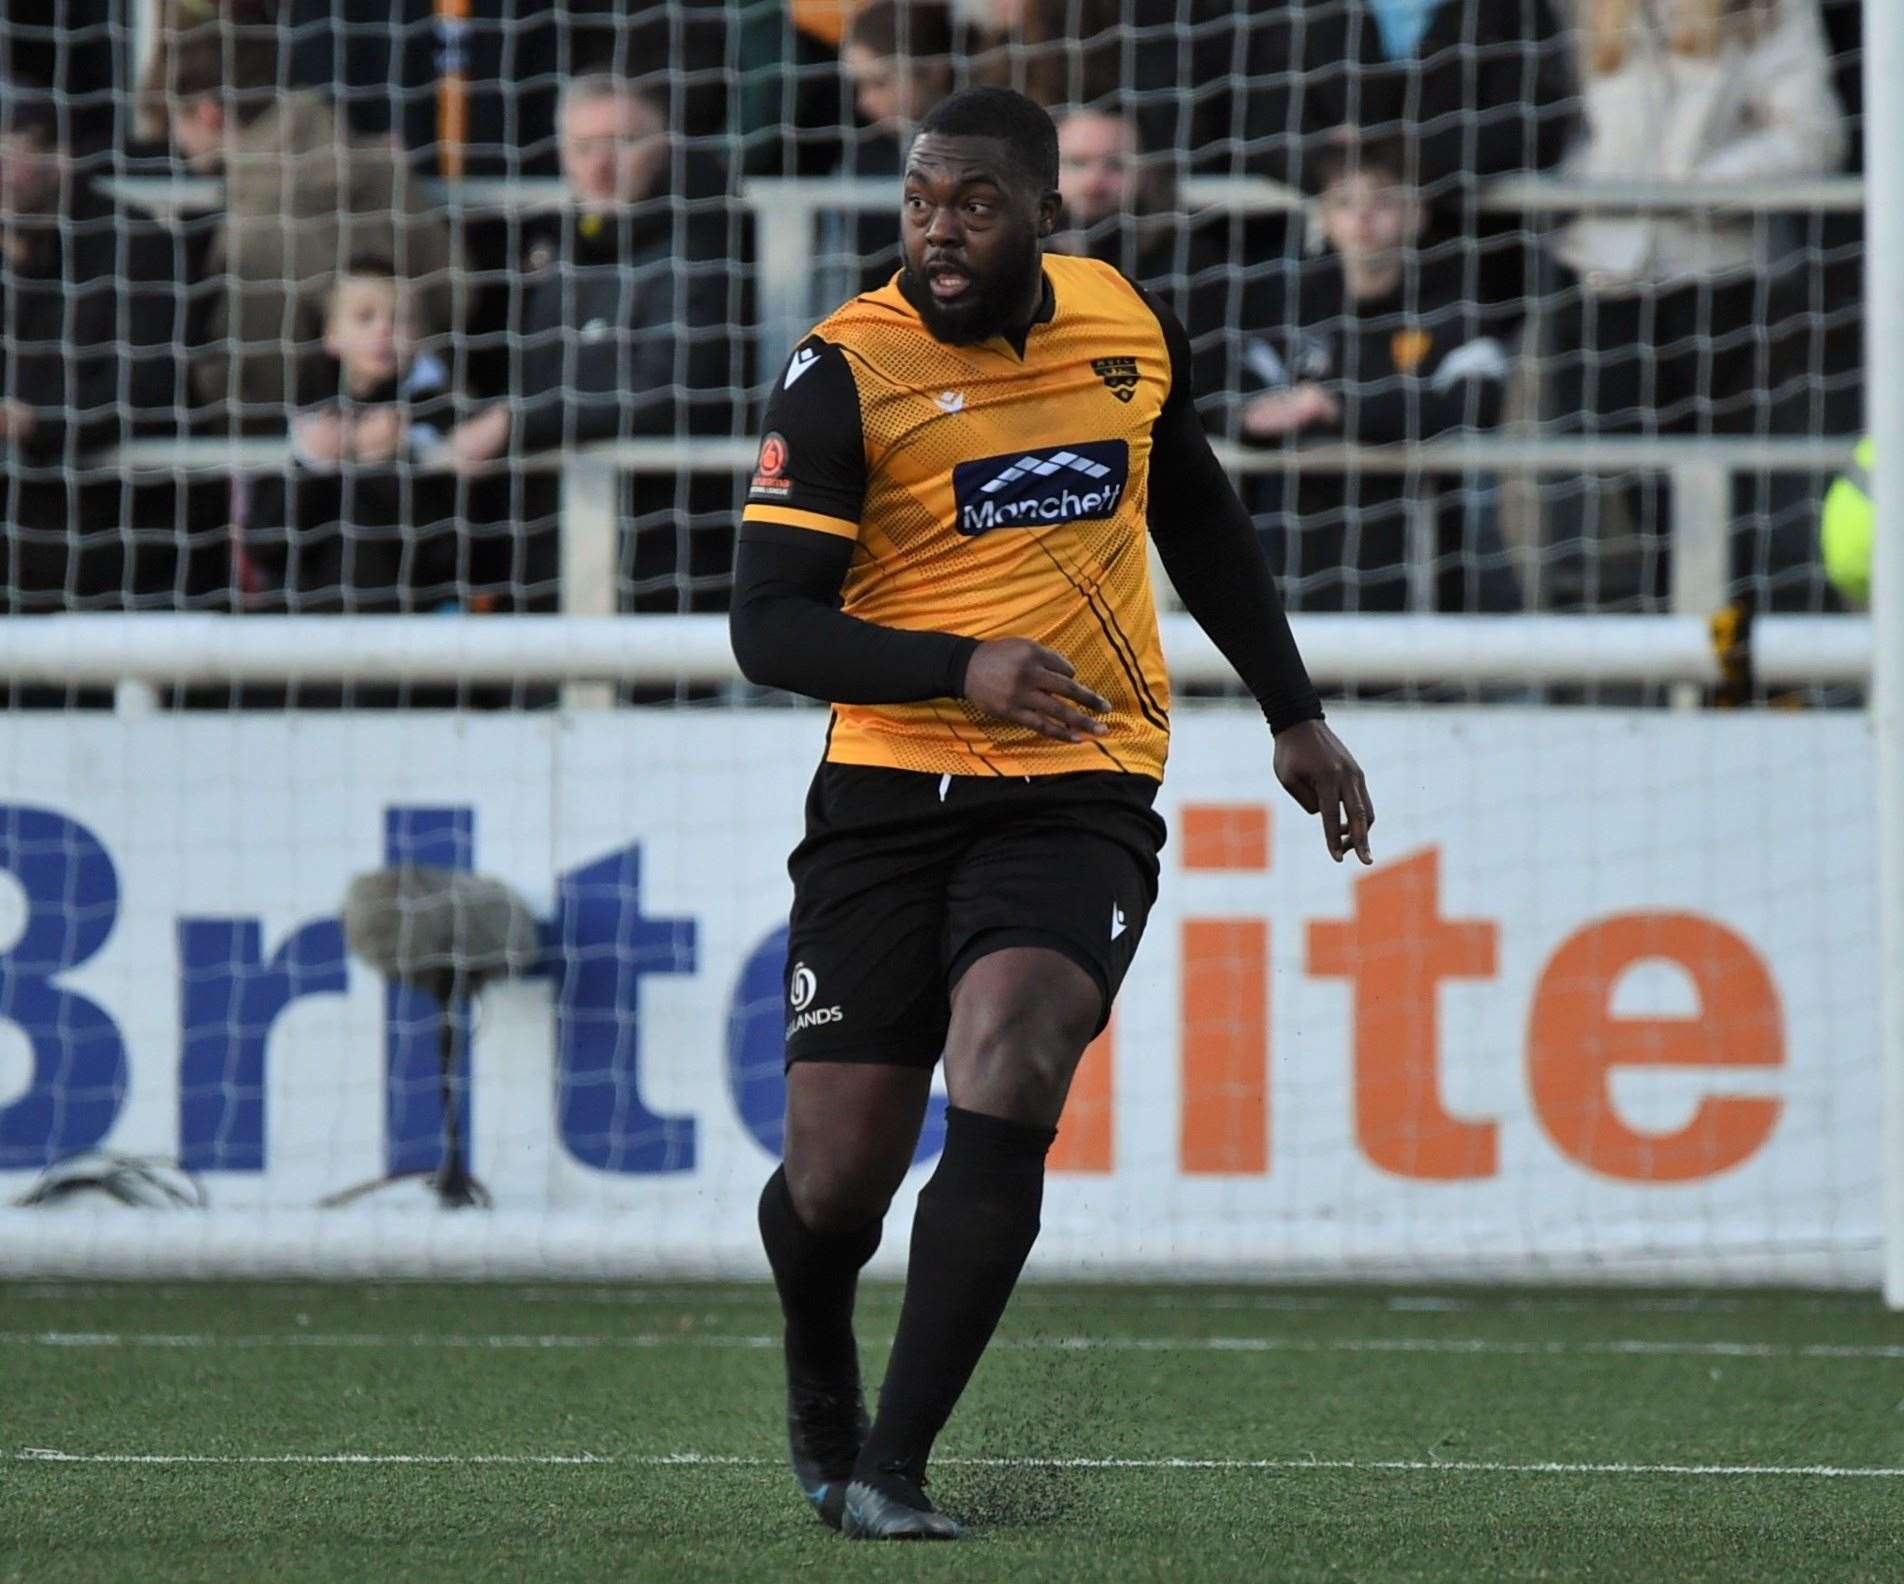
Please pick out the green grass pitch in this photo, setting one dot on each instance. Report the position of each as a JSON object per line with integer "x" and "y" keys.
{"x": 407, "y": 1432}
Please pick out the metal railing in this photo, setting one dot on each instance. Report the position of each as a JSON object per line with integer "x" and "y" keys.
{"x": 589, "y": 646}
{"x": 1700, "y": 472}
{"x": 786, "y": 211}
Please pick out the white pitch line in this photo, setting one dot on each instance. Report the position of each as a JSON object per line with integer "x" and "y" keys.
{"x": 643, "y": 1340}
{"x": 49, "y": 1455}
{"x": 324, "y": 1339}
{"x": 1040, "y": 1295}
{"x": 1216, "y": 1465}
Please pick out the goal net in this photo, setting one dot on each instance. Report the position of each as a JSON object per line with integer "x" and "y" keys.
{"x": 380, "y": 385}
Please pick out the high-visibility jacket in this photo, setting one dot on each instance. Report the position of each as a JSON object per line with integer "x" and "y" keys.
{"x": 1845, "y": 527}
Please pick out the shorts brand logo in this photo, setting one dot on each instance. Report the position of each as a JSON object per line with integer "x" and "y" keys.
{"x": 1039, "y": 489}
{"x": 803, "y": 986}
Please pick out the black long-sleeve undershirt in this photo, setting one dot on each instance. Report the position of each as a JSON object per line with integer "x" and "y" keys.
{"x": 1208, "y": 545}
{"x": 789, "y": 631}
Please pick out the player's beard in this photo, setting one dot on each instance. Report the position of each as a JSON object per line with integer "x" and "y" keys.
{"x": 990, "y": 307}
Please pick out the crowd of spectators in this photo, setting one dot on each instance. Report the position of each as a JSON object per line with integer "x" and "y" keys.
{"x": 424, "y": 354}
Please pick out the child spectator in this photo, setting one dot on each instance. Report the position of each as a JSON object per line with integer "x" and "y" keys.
{"x": 356, "y": 528}
{"x": 1383, "y": 347}
{"x": 1478, "y": 89}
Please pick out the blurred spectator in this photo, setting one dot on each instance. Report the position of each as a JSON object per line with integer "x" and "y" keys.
{"x": 630, "y": 322}
{"x": 1384, "y": 347}
{"x": 1055, "y": 51}
{"x": 302, "y": 195}
{"x": 1663, "y": 322}
{"x": 1109, "y": 188}
{"x": 1480, "y": 89}
{"x": 792, "y": 103}
{"x": 71, "y": 50}
{"x": 897, "y": 54}
{"x": 1085, "y": 52}
{"x": 473, "y": 84}
{"x": 90, "y": 307}
{"x": 1121, "y": 205}
{"x": 355, "y": 528}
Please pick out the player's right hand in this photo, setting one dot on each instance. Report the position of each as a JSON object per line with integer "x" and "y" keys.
{"x": 1018, "y": 680}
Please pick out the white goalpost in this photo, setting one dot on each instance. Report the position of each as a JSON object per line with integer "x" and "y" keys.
{"x": 1884, "y": 309}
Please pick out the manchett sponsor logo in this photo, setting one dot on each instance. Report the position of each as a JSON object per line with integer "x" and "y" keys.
{"x": 1039, "y": 489}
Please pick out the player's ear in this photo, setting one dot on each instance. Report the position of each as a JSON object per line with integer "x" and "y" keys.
{"x": 1049, "y": 205}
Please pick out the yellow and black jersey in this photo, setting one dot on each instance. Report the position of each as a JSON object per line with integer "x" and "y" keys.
{"x": 999, "y": 490}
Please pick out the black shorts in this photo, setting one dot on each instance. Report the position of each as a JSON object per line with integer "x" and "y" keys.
{"x": 906, "y": 879}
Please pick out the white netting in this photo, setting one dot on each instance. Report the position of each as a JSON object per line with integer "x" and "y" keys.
{"x": 323, "y": 310}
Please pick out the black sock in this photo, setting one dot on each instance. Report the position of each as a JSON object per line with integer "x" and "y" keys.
{"x": 817, "y": 1277}
{"x": 976, "y": 1222}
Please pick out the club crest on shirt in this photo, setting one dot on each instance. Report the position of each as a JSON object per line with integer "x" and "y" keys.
{"x": 770, "y": 468}
{"x": 1119, "y": 375}
{"x": 1408, "y": 348}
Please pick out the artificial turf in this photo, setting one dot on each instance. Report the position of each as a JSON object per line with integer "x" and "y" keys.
{"x": 1397, "y": 1435}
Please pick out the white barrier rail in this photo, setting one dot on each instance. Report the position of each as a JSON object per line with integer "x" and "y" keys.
{"x": 1700, "y": 471}
{"x": 786, "y": 211}
{"x": 157, "y": 649}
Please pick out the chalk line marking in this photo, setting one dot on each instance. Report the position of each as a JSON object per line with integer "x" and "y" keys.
{"x": 1217, "y": 1465}
{"x": 642, "y": 1340}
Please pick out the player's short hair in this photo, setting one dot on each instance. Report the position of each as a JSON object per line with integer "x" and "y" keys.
{"x": 377, "y": 266}
{"x": 29, "y": 113}
{"x": 235, "y": 59}
{"x": 587, "y": 87}
{"x": 1022, "y": 125}
{"x": 1393, "y": 157}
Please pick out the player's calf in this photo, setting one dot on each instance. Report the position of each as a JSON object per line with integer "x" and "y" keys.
{"x": 975, "y": 1224}
{"x": 817, "y": 1275}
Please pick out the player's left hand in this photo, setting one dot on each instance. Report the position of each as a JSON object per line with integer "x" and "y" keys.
{"x": 1322, "y": 775}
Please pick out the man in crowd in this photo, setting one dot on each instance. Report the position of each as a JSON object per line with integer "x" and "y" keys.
{"x": 626, "y": 330}
{"x": 303, "y": 196}
{"x": 1121, "y": 206}
{"x": 90, "y": 312}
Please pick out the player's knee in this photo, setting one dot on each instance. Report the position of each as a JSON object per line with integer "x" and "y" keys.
{"x": 833, "y": 1198}
{"x": 1019, "y": 1059}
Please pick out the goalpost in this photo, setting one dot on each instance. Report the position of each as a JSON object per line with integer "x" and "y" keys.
{"x": 1884, "y": 211}
{"x": 1607, "y": 1009}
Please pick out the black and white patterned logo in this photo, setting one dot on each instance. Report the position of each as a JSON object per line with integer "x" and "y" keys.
{"x": 802, "y": 986}
{"x": 1119, "y": 375}
{"x": 1038, "y": 489}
